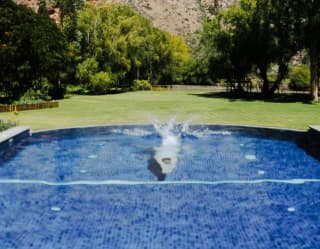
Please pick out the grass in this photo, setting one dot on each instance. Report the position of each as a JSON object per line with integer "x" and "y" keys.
{"x": 139, "y": 107}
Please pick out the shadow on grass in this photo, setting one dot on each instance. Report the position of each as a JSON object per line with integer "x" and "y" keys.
{"x": 277, "y": 98}
{"x": 88, "y": 93}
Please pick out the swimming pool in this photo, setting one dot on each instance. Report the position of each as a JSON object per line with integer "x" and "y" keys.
{"x": 97, "y": 187}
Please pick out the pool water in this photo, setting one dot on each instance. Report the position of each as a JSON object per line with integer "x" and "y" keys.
{"x": 95, "y": 188}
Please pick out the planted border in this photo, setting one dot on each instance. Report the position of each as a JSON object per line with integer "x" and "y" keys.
{"x": 25, "y": 107}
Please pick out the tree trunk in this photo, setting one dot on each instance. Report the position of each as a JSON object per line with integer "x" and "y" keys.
{"x": 265, "y": 86}
{"x": 314, "y": 73}
{"x": 283, "y": 67}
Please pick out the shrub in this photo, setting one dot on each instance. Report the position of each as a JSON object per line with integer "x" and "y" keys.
{"x": 100, "y": 83}
{"x": 85, "y": 69}
{"x": 140, "y": 85}
{"x": 4, "y": 125}
{"x": 299, "y": 78}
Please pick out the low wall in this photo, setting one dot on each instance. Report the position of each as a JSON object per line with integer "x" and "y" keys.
{"x": 24, "y": 107}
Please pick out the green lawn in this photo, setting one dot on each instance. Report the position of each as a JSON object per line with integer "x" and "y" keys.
{"x": 140, "y": 107}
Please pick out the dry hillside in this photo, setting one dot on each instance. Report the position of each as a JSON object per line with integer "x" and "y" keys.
{"x": 174, "y": 16}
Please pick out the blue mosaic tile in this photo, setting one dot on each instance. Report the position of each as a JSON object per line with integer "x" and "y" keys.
{"x": 184, "y": 216}
{"x": 186, "y": 210}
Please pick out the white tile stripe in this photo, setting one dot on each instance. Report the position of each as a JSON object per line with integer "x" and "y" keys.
{"x": 123, "y": 182}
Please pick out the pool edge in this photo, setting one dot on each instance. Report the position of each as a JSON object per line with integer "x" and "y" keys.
{"x": 13, "y": 135}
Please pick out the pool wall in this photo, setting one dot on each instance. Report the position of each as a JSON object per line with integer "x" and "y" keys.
{"x": 308, "y": 140}
{"x": 13, "y": 136}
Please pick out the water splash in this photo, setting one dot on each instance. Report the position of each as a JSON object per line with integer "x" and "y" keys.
{"x": 138, "y": 132}
{"x": 166, "y": 155}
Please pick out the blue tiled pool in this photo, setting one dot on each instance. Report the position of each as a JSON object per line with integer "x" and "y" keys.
{"x": 94, "y": 188}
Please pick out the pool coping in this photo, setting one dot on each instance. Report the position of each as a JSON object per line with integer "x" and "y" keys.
{"x": 315, "y": 128}
{"x": 14, "y": 132}
{"x": 12, "y": 136}
{"x": 192, "y": 125}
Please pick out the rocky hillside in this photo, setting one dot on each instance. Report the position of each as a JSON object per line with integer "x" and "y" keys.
{"x": 33, "y": 4}
{"x": 174, "y": 16}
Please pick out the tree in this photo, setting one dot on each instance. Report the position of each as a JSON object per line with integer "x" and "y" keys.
{"x": 253, "y": 34}
{"x": 228, "y": 43}
{"x": 32, "y": 48}
{"x": 85, "y": 69}
{"x": 273, "y": 32}
{"x": 127, "y": 47}
{"x": 180, "y": 58}
{"x": 308, "y": 27}
{"x": 68, "y": 16}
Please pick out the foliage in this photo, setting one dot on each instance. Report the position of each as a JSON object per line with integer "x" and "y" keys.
{"x": 140, "y": 85}
{"x": 68, "y": 17}
{"x": 299, "y": 78}
{"x": 307, "y": 17}
{"x": 4, "y": 125}
{"x": 85, "y": 69}
{"x": 100, "y": 83}
{"x": 127, "y": 47}
{"x": 35, "y": 95}
{"x": 109, "y": 46}
{"x": 42, "y": 10}
{"x": 228, "y": 43}
{"x": 196, "y": 71}
{"x": 180, "y": 58}
{"x": 68, "y": 25}
{"x": 32, "y": 48}
{"x": 274, "y": 27}
{"x": 252, "y": 35}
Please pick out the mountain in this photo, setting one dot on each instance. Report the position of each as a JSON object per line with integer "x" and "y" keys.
{"x": 174, "y": 16}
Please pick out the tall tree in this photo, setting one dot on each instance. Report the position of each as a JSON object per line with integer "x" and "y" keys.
{"x": 273, "y": 34}
{"x": 32, "y": 48}
{"x": 68, "y": 16}
{"x": 229, "y": 44}
{"x": 126, "y": 46}
{"x": 253, "y": 34}
{"x": 308, "y": 15}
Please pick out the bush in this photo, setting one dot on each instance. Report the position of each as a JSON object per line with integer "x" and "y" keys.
{"x": 299, "y": 78}
{"x": 85, "y": 69}
{"x": 141, "y": 85}
{"x": 100, "y": 83}
{"x": 4, "y": 125}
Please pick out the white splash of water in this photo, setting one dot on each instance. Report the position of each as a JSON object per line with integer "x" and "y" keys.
{"x": 185, "y": 126}
{"x": 167, "y": 153}
{"x": 132, "y": 132}
{"x": 201, "y": 133}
